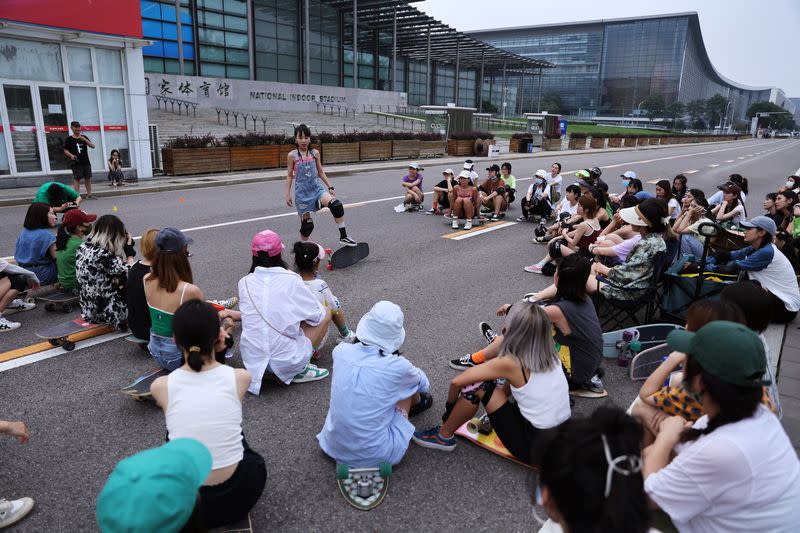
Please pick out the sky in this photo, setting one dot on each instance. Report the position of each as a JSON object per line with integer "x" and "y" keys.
{"x": 752, "y": 42}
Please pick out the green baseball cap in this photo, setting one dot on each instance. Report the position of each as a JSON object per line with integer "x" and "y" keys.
{"x": 154, "y": 490}
{"x": 727, "y": 350}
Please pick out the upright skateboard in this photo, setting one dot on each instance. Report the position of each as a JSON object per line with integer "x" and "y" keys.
{"x": 140, "y": 388}
{"x": 647, "y": 361}
{"x": 348, "y": 255}
{"x": 66, "y": 334}
{"x": 59, "y": 301}
{"x": 363, "y": 488}
{"x": 650, "y": 335}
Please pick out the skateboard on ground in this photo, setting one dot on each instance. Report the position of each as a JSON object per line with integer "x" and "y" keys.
{"x": 61, "y": 300}
{"x": 245, "y": 525}
{"x": 348, "y": 255}
{"x": 476, "y": 221}
{"x": 363, "y": 488}
{"x": 140, "y": 388}
{"x": 650, "y": 335}
{"x": 647, "y": 361}
{"x": 479, "y": 431}
{"x": 67, "y": 333}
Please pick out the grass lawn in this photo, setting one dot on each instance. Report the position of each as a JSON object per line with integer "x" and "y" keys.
{"x": 594, "y": 129}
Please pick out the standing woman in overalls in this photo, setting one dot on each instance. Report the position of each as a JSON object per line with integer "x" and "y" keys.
{"x": 305, "y": 168}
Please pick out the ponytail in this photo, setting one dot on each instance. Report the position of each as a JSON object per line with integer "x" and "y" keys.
{"x": 305, "y": 255}
{"x": 195, "y": 326}
{"x": 194, "y": 359}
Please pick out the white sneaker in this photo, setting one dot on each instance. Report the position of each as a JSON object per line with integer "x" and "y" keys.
{"x": 310, "y": 373}
{"x": 13, "y": 511}
{"x": 18, "y": 304}
{"x": 468, "y": 224}
{"x": 7, "y": 325}
{"x": 454, "y": 225}
{"x": 350, "y": 338}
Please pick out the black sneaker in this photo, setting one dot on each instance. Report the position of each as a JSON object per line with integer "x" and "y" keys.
{"x": 495, "y": 217}
{"x": 425, "y": 402}
{"x": 487, "y": 332}
{"x": 347, "y": 241}
{"x": 462, "y": 363}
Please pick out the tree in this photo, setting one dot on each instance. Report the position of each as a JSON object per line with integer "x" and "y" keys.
{"x": 674, "y": 111}
{"x": 654, "y": 105}
{"x": 782, "y": 121}
{"x": 716, "y": 106}
{"x": 697, "y": 110}
{"x": 488, "y": 107}
{"x": 551, "y": 102}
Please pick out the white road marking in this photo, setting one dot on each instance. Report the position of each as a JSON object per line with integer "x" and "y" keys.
{"x": 47, "y": 354}
{"x": 689, "y": 171}
{"x": 729, "y": 161}
{"x": 740, "y": 158}
{"x": 482, "y": 231}
{"x": 713, "y": 166}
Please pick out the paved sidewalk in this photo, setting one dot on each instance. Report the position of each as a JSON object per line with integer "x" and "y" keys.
{"x": 24, "y": 195}
{"x": 789, "y": 382}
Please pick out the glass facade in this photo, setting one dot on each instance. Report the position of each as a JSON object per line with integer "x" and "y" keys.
{"x": 277, "y": 40}
{"x": 324, "y": 43}
{"x": 222, "y": 38}
{"x": 159, "y": 24}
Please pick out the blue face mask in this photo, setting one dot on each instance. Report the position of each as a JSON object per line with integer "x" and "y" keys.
{"x": 625, "y": 183}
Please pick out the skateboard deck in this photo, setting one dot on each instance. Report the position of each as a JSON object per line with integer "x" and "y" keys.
{"x": 67, "y": 333}
{"x": 245, "y": 525}
{"x": 59, "y": 301}
{"x": 476, "y": 221}
{"x": 488, "y": 441}
{"x": 650, "y": 335}
{"x": 140, "y": 388}
{"x": 363, "y": 488}
{"x": 136, "y": 340}
{"x": 647, "y": 361}
{"x": 349, "y": 255}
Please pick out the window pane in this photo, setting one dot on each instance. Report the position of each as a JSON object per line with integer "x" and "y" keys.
{"x": 5, "y": 168}
{"x": 212, "y": 36}
{"x": 109, "y": 66}
{"x": 152, "y": 64}
{"x": 118, "y": 140}
{"x": 151, "y": 10}
{"x": 238, "y": 72}
{"x": 212, "y": 4}
{"x": 23, "y": 128}
{"x": 80, "y": 64}
{"x": 235, "y": 40}
{"x": 210, "y": 19}
{"x": 238, "y": 7}
{"x": 212, "y": 53}
{"x": 83, "y": 101}
{"x": 241, "y": 57}
{"x": 209, "y": 69}
{"x": 155, "y": 49}
{"x": 113, "y": 102}
{"x": 54, "y": 113}
{"x": 235, "y": 23}
{"x": 28, "y": 60}
{"x": 151, "y": 28}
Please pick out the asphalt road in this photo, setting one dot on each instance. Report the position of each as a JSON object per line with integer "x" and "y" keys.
{"x": 81, "y": 425}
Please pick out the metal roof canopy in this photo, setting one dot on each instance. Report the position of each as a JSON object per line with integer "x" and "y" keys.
{"x": 415, "y": 28}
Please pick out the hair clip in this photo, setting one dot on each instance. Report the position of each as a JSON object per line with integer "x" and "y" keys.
{"x": 633, "y": 466}
{"x": 193, "y": 349}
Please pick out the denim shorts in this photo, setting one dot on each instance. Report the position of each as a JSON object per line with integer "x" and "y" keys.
{"x": 164, "y": 351}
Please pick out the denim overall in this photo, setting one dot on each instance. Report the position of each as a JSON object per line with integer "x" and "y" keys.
{"x": 307, "y": 189}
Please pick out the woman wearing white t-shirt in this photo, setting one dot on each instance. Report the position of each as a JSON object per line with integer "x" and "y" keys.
{"x": 735, "y": 468}
{"x": 731, "y": 210}
{"x": 554, "y": 181}
{"x": 664, "y": 192}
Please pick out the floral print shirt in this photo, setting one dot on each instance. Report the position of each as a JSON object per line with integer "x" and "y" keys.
{"x": 634, "y": 275}
{"x": 101, "y": 278}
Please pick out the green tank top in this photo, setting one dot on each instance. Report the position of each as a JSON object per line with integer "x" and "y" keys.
{"x": 161, "y": 321}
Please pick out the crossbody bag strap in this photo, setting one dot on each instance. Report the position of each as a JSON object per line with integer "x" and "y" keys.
{"x": 247, "y": 288}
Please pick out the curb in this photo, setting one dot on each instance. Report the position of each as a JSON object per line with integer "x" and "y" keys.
{"x": 229, "y": 179}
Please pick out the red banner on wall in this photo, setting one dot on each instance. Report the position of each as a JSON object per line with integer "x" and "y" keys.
{"x": 115, "y": 17}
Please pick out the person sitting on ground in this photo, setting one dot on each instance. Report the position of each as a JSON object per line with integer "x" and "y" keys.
{"x": 465, "y": 200}
{"x": 374, "y": 391}
{"x": 412, "y": 183}
{"x": 555, "y": 180}
{"x": 70, "y": 235}
{"x": 441, "y": 194}
{"x": 735, "y": 468}
{"x": 492, "y": 193}
{"x": 792, "y": 184}
{"x": 771, "y": 211}
{"x": 529, "y": 365}
{"x": 307, "y": 258}
{"x": 138, "y": 311}
{"x": 58, "y": 196}
{"x": 627, "y": 177}
{"x": 12, "y": 511}
{"x": 202, "y": 400}
{"x": 474, "y": 177}
{"x": 283, "y": 323}
{"x": 767, "y": 266}
{"x": 785, "y": 204}
{"x": 590, "y": 476}
{"x": 36, "y": 244}
{"x": 731, "y": 211}
{"x": 664, "y": 192}
{"x": 567, "y": 211}
{"x": 101, "y": 268}
{"x": 14, "y": 280}
{"x": 578, "y": 240}
{"x": 617, "y": 246}
{"x": 679, "y": 187}
{"x": 688, "y": 227}
{"x": 632, "y": 188}
{"x": 156, "y": 490}
{"x": 115, "y": 175}
{"x": 689, "y": 197}
{"x": 510, "y": 181}
{"x": 536, "y": 202}
{"x": 618, "y": 230}
{"x": 733, "y": 179}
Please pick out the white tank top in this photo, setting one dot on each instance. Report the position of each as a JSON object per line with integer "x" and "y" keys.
{"x": 205, "y": 406}
{"x": 544, "y": 399}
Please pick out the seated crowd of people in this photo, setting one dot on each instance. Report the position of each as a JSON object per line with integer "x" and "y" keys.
{"x": 702, "y": 442}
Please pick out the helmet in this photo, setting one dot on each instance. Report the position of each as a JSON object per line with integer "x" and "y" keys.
{"x": 596, "y": 172}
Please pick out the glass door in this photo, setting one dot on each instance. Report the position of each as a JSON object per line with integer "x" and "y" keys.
{"x": 54, "y": 117}
{"x": 22, "y": 126}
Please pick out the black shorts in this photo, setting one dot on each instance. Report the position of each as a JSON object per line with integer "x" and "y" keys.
{"x": 81, "y": 171}
{"x": 18, "y": 281}
{"x": 525, "y": 441}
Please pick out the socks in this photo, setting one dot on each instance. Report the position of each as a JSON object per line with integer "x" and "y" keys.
{"x": 342, "y": 232}
{"x": 344, "y": 331}
{"x": 478, "y": 357}
{"x": 542, "y": 263}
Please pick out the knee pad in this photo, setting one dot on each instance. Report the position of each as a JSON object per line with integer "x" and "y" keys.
{"x": 336, "y": 207}
{"x": 554, "y": 249}
{"x": 306, "y": 227}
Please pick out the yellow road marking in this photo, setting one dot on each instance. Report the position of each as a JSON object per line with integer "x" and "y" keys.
{"x": 474, "y": 229}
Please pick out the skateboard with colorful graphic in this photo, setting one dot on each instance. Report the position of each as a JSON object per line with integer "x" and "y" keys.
{"x": 66, "y": 334}
{"x": 477, "y": 431}
{"x": 139, "y": 390}
{"x": 59, "y": 301}
{"x": 363, "y": 488}
{"x": 349, "y": 255}
{"x": 649, "y": 336}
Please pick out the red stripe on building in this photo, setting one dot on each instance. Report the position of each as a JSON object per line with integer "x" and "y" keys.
{"x": 115, "y": 128}
{"x": 90, "y": 128}
{"x": 55, "y": 129}
{"x": 22, "y": 129}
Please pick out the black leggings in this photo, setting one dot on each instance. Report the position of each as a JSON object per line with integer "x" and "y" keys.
{"x": 533, "y": 207}
{"x": 780, "y": 315}
{"x": 525, "y": 441}
{"x": 231, "y": 500}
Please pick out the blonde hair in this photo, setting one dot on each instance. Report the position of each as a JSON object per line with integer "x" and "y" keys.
{"x": 529, "y": 337}
{"x": 148, "y": 244}
{"x": 109, "y": 234}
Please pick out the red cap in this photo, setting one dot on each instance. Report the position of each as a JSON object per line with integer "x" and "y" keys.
{"x": 75, "y": 217}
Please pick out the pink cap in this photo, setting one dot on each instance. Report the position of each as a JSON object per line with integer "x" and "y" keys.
{"x": 267, "y": 241}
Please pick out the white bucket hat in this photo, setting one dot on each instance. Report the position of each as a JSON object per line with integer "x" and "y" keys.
{"x": 541, "y": 173}
{"x": 382, "y": 326}
{"x": 634, "y": 217}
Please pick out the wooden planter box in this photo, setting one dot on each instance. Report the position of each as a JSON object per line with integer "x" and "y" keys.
{"x": 406, "y": 149}
{"x": 518, "y": 146}
{"x": 664, "y": 140}
{"x": 431, "y": 148}
{"x": 597, "y": 142}
{"x": 458, "y": 148}
{"x": 255, "y": 157}
{"x": 642, "y": 141}
{"x": 615, "y": 142}
{"x": 182, "y": 161}
{"x": 551, "y": 145}
{"x": 577, "y": 144}
{"x": 375, "y": 150}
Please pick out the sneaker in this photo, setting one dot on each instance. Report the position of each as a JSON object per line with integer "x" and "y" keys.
{"x": 454, "y": 225}
{"x": 462, "y": 363}
{"x": 7, "y": 325}
{"x": 430, "y": 438}
{"x": 487, "y": 332}
{"x": 431, "y": 211}
{"x": 468, "y": 224}
{"x": 533, "y": 269}
{"x": 347, "y": 241}
{"x": 310, "y": 373}
{"x": 425, "y": 402}
{"x": 448, "y": 216}
{"x": 350, "y": 338}
{"x": 19, "y": 304}
{"x": 522, "y": 219}
{"x": 594, "y": 388}
{"x": 91, "y": 197}
{"x": 13, "y": 511}
{"x": 230, "y": 303}
{"x": 485, "y": 210}
{"x": 495, "y": 217}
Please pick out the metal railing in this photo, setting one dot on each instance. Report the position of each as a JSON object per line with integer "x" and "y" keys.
{"x": 172, "y": 102}
{"x": 246, "y": 118}
{"x": 331, "y": 109}
{"x": 414, "y": 122}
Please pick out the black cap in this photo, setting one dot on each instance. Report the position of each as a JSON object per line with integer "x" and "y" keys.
{"x": 493, "y": 167}
{"x": 171, "y": 240}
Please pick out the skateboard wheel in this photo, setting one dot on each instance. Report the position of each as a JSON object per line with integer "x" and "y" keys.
{"x": 385, "y": 469}
{"x": 342, "y": 471}
{"x": 635, "y": 346}
{"x": 328, "y": 251}
{"x": 473, "y": 425}
{"x": 69, "y": 346}
{"x": 49, "y": 307}
{"x": 29, "y": 300}
{"x": 329, "y": 267}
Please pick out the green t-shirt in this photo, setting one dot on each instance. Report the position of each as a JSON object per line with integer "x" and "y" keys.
{"x": 510, "y": 181}
{"x": 65, "y": 262}
{"x": 43, "y": 196}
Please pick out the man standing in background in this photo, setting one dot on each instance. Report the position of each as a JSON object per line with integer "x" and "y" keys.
{"x": 76, "y": 148}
